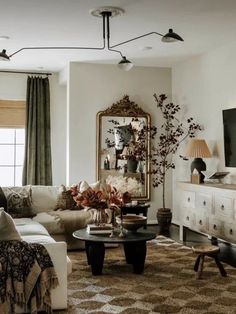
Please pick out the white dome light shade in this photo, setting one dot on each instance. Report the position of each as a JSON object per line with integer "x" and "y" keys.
{"x": 4, "y": 56}
{"x": 125, "y": 64}
{"x": 171, "y": 37}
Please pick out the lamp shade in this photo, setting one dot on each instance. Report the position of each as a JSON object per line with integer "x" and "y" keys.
{"x": 125, "y": 64}
{"x": 171, "y": 37}
{"x": 197, "y": 148}
{"x": 4, "y": 56}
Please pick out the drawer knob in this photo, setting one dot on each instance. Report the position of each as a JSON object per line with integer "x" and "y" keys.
{"x": 187, "y": 218}
{"x": 188, "y": 199}
{"x": 222, "y": 207}
{"x": 215, "y": 227}
{"x": 231, "y": 231}
{"x": 200, "y": 222}
{"x": 204, "y": 203}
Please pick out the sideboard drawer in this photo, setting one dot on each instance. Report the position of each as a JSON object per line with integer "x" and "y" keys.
{"x": 201, "y": 222}
{"x": 215, "y": 227}
{"x": 224, "y": 208}
{"x": 204, "y": 200}
{"x": 188, "y": 199}
{"x": 188, "y": 218}
{"x": 230, "y": 232}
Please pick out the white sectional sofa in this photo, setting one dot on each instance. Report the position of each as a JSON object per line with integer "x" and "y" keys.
{"x": 44, "y": 201}
{"x": 46, "y": 229}
{"x": 33, "y": 232}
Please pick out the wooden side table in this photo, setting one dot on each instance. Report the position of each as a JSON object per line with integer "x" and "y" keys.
{"x": 207, "y": 250}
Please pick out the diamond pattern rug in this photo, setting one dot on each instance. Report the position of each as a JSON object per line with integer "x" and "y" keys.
{"x": 168, "y": 284}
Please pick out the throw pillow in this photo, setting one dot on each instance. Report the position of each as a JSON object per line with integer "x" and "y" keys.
{"x": 8, "y": 229}
{"x": 65, "y": 199}
{"x": 83, "y": 186}
{"x": 3, "y": 200}
{"x": 19, "y": 203}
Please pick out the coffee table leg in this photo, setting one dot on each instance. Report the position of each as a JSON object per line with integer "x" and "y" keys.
{"x": 95, "y": 255}
{"x": 135, "y": 254}
{"x": 87, "y": 252}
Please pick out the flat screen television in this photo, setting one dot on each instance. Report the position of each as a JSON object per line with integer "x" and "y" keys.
{"x": 229, "y": 121}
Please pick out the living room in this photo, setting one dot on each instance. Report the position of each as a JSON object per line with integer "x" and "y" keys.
{"x": 197, "y": 74}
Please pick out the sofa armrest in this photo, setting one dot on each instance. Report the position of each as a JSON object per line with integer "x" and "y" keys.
{"x": 58, "y": 254}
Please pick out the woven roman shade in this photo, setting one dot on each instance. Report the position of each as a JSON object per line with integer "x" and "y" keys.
{"x": 12, "y": 114}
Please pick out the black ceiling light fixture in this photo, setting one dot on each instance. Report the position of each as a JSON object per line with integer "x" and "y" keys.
{"x": 105, "y": 13}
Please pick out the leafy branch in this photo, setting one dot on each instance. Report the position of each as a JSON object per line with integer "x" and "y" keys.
{"x": 172, "y": 133}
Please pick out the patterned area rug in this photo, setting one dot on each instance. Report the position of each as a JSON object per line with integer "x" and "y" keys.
{"x": 168, "y": 284}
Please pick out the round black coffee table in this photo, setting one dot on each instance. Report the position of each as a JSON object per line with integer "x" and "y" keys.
{"x": 134, "y": 247}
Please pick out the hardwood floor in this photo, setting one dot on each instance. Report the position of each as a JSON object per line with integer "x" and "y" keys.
{"x": 227, "y": 250}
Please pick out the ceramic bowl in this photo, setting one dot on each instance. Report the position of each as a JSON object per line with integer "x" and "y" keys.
{"x": 132, "y": 222}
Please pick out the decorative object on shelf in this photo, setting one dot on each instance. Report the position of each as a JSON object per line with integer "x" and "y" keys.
{"x": 164, "y": 146}
{"x": 106, "y": 163}
{"x": 132, "y": 165}
{"x": 105, "y": 13}
{"x": 214, "y": 176}
{"x": 198, "y": 149}
{"x": 121, "y": 132}
{"x": 195, "y": 177}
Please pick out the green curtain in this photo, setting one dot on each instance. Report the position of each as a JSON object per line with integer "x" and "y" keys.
{"x": 37, "y": 168}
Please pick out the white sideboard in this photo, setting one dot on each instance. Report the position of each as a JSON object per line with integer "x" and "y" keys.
{"x": 208, "y": 208}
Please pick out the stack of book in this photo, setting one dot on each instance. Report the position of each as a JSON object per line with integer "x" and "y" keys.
{"x": 99, "y": 229}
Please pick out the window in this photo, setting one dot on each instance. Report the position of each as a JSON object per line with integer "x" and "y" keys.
{"x": 11, "y": 156}
{"x": 12, "y": 140}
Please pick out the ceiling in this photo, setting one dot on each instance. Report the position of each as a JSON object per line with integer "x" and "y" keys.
{"x": 203, "y": 24}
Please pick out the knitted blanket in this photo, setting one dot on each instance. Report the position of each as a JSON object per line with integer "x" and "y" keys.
{"x": 27, "y": 276}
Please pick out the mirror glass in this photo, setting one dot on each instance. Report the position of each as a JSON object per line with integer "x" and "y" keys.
{"x": 123, "y": 146}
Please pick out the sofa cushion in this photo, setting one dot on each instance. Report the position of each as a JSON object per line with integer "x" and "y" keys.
{"x": 18, "y": 201}
{"x": 82, "y": 186}
{"x": 50, "y": 222}
{"x": 30, "y": 228}
{"x": 44, "y": 198}
{"x": 8, "y": 229}
{"x": 65, "y": 199}
{"x": 3, "y": 200}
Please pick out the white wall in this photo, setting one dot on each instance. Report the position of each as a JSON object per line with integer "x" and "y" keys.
{"x": 92, "y": 88}
{"x": 13, "y": 86}
{"x": 205, "y": 85}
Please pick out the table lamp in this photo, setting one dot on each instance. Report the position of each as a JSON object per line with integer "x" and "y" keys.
{"x": 198, "y": 149}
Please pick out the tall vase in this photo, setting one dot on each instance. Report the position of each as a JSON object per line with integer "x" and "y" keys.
{"x": 99, "y": 216}
{"x": 132, "y": 165}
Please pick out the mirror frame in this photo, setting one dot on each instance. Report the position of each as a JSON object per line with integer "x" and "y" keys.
{"x": 124, "y": 108}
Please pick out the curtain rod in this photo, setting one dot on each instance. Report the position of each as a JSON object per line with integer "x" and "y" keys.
{"x": 22, "y": 72}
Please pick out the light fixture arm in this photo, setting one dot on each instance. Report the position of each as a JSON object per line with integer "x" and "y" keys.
{"x": 106, "y": 15}
{"x": 135, "y": 38}
{"x": 65, "y": 48}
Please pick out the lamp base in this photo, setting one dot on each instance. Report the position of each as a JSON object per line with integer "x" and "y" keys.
{"x": 200, "y": 165}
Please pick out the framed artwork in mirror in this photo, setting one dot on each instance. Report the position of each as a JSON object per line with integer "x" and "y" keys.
{"x": 123, "y": 148}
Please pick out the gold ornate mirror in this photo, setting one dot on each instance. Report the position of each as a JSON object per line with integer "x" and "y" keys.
{"x": 123, "y": 147}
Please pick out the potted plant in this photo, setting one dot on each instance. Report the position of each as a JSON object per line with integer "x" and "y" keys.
{"x": 164, "y": 145}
